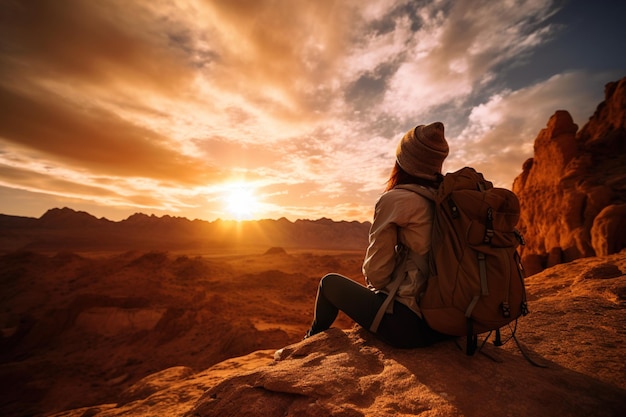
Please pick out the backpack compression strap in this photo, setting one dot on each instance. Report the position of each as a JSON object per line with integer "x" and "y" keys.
{"x": 383, "y": 308}
{"x": 408, "y": 261}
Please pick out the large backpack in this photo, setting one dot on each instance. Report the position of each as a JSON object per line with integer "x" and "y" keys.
{"x": 476, "y": 278}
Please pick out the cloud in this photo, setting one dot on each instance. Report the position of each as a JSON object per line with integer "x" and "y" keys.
{"x": 163, "y": 104}
{"x": 92, "y": 42}
{"x": 92, "y": 139}
{"x": 500, "y": 133}
{"x": 278, "y": 55}
{"x": 32, "y": 180}
{"x": 454, "y": 53}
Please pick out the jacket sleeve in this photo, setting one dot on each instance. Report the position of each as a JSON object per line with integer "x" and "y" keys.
{"x": 397, "y": 215}
{"x": 383, "y": 238}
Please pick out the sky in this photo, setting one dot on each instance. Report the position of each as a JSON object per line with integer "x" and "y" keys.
{"x": 263, "y": 109}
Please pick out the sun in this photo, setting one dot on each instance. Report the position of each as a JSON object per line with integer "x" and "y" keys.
{"x": 241, "y": 202}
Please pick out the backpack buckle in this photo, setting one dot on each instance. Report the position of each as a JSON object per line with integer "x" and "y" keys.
{"x": 489, "y": 232}
{"x": 506, "y": 309}
{"x": 525, "y": 310}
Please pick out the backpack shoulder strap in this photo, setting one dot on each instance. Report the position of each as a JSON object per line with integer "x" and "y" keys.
{"x": 427, "y": 193}
{"x": 383, "y": 308}
{"x": 407, "y": 261}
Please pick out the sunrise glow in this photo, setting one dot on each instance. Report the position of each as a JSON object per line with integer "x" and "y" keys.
{"x": 241, "y": 202}
{"x": 304, "y": 109}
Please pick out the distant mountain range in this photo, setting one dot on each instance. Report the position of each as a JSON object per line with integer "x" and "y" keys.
{"x": 69, "y": 230}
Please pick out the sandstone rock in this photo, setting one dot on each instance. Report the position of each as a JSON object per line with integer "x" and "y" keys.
{"x": 275, "y": 250}
{"x": 112, "y": 321}
{"x": 154, "y": 383}
{"x": 608, "y": 233}
{"x": 606, "y": 126}
{"x": 570, "y": 180}
{"x": 603, "y": 271}
{"x": 534, "y": 263}
{"x": 554, "y": 148}
{"x": 555, "y": 257}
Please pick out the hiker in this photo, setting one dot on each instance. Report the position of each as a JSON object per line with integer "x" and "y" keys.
{"x": 400, "y": 233}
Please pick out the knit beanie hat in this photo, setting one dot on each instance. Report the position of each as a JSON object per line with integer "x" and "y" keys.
{"x": 421, "y": 151}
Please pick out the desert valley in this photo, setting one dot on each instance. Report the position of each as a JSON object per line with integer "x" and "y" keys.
{"x": 171, "y": 317}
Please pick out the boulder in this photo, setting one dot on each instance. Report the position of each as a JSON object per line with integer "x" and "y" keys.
{"x": 608, "y": 233}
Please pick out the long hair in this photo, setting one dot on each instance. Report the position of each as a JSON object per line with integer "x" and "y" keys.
{"x": 399, "y": 176}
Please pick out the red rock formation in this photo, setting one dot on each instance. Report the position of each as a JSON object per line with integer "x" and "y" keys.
{"x": 573, "y": 191}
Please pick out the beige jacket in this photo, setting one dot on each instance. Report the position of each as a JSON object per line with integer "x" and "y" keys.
{"x": 400, "y": 216}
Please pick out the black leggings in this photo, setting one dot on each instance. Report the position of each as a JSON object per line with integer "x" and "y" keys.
{"x": 403, "y": 328}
